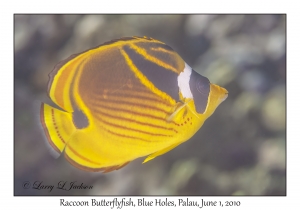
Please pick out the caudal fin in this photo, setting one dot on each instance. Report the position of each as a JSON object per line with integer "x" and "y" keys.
{"x": 58, "y": 126}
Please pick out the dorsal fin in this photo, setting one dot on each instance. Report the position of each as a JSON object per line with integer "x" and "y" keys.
{"x": 63, "y": 62}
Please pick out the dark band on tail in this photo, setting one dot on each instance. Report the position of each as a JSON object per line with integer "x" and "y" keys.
{"x": 42, "y": 119}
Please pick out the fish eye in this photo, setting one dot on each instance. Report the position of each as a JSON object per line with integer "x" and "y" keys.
{"x": 202, "y": 85}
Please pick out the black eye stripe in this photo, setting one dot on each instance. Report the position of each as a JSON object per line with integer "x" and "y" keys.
{"x": 201, "y": 85}
{"x": 200, "y": 88}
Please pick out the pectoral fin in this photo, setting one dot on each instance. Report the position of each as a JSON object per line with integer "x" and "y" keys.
{"x": 177, "y": 113}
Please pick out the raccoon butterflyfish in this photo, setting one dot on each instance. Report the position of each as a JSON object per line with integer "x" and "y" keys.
{"x": 125, "y": 99}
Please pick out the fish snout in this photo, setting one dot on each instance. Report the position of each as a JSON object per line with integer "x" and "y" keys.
{"x": 224, "y": 95}
{"x": 219, "y": 93}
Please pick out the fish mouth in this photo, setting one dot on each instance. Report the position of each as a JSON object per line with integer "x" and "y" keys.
{"x": 223, "y": 94}
{"x": 224, "y": 97}
{"x": 219, "y": 93}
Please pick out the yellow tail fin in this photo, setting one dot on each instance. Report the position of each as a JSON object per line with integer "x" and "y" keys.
{"x": 58, "y": 126}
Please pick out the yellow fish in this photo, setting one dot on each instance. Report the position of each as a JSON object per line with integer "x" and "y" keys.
{"x": 125, "y": 99}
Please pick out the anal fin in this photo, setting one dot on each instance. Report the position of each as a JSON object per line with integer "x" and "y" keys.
{"x": 90, "y": 169}
{"x": 89, "y": 152}
{"x": 161, "y": 152}
{"x": 112, "y": 168}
